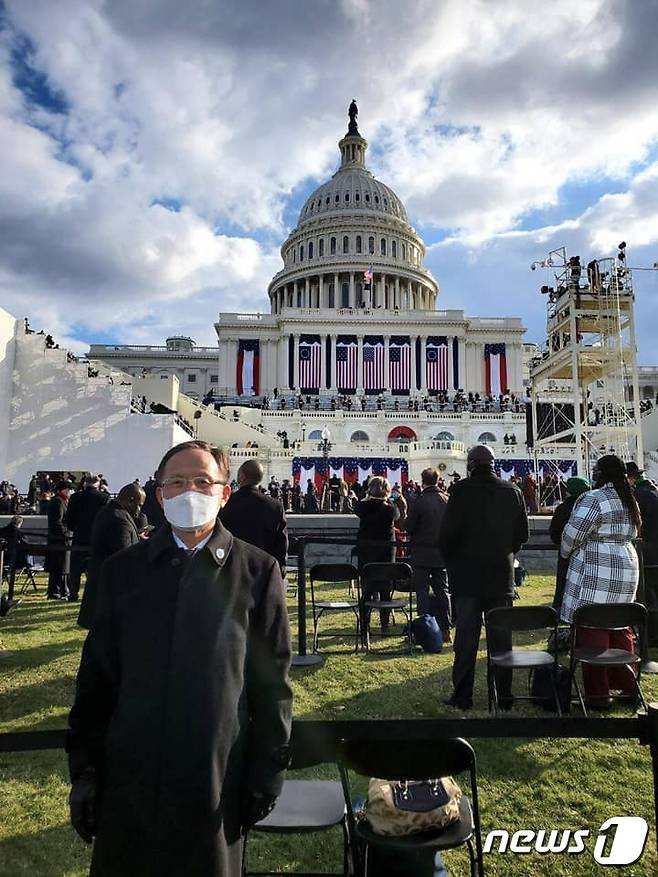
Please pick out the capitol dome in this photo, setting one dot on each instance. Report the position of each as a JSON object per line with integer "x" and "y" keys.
{"x": 353, "y": 246}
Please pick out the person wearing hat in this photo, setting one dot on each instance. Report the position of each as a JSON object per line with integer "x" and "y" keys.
{"x": 576, "y": 486}
{"x": 646, "y": 495}
{"x": 484, "y": 525}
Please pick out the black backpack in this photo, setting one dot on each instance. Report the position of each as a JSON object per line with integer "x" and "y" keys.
{"x": 541, "y": 690}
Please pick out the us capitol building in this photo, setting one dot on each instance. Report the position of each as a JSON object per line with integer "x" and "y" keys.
{"x": 355, "y": 334}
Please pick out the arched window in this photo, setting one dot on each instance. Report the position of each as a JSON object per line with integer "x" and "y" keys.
{"x": 358, "y": 243}
{"x": 294, "y": 255}
{"x": 359, "y": 436}
{"x": 368, "y": 197}
{"x": 394, "y": 249}
{"x": 337, "y": 198}
{"x": 382, "y": 246}
{"x": 357, "y": 196}
{"x": 301, "y": 252}
{"x": 332, "y": 246}
{"x": 444, "y": 437}
{"x": 346, "y": 244}
{"x": 332, "y": 296}
{"x": 321, "y": 247}
{"x": 315, "y": 435}
{"x": 404, "y": 252}
{"x": 347, "y": 197}
{"x": 487, "y": 438}
{"x": 376, "y": 199}
{"x": 371, "y": 245}
{"x": 345, "y": 295}
{"x": 310, "y": 250}
{"x": 327, "y": 200}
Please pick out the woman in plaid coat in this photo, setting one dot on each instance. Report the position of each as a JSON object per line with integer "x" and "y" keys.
{"x": 603, "y": 567}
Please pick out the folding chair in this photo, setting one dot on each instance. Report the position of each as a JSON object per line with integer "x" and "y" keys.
{"x": 608, "y": 616}
{"x": 414, "y": 760}
{"x": 306, "y": 806}
{"x": 334, "y": 573}
{"x": 391, "y": 577}
{"x": 506, "y": 620}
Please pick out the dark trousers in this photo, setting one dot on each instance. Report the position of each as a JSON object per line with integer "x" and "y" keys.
{"x": 79, "y": 563}
{"x": 436, "y": 578}
{"x": 651, "y": 601}
{"x": 468, "y": 615}
{"x": 56, "y": 584}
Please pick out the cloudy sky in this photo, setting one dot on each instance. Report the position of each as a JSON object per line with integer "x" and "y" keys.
{"x": 155, "y": 153}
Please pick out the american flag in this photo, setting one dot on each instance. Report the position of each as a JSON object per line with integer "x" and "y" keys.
{"x": 367, "y": 274}
{"x": 309, "y": 365}
{"x": 346, "y": 358}
{"x": 399, "y": 358}
{"x": 373, "y": 364}
{"x": 436, "y": 358}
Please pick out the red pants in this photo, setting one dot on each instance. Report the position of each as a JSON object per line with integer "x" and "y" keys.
{"x": 599, "y": 680}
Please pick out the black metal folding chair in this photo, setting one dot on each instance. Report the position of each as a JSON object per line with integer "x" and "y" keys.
{"x": 376, "y": 577}
{"x": 608, "y": 616}
{"x": 306, "y": 806}
{"x": 505, "y": 620}
{"x": 334, "y": 573}
{"x": 414, "y": 760}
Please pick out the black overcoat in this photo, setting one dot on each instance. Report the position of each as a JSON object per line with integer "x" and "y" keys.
{"x": 484, "y": 525}
{"x": 56, "y": 534}
{"x": 375, "y": 539}
{"x": 113, "y": 530}
{"x": 258, "y": 519}
{"x": 81, "y": 511}
{"x": 424, "y": 526}
{"x": 182, "y": 704}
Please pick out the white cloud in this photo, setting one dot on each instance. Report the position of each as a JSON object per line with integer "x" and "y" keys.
{"x": 476, "y": 116}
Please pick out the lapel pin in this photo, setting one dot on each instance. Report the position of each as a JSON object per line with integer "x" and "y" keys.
{"x": 220, "y": 554}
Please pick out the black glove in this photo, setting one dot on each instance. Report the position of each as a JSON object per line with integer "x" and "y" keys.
{"x": 257, "y": 807}
{"x": 82, "y": 802}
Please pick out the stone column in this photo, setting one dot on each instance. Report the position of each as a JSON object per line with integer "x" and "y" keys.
{"x": 359, "y": 363}
{"x": 281, "y": 380}
{"x": 337, "y": 293}
{"x": 423, "y": 364}
{"x": 387, "y": 341}
{"x": 450, "y": 368}
{"x": 307, "y": 293}
{"x": 412, "y": 382}
{"x": 294, "y": 294}
{"x": 396, "y": 295}
{"x": 333, "y": 389}
{"x": 382, "y": 290}
{"x": 296, "y": 363}
{"x": 352, "y": 291}
{"x": 321, "y": 301}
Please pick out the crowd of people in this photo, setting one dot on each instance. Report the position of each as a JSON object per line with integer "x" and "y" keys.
{"x": 433, "y": 401}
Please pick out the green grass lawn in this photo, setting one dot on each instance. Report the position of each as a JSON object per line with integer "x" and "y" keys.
{"x": 530, "y": 784}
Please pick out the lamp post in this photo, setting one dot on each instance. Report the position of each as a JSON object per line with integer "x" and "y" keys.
{"x": 303, "y": 426}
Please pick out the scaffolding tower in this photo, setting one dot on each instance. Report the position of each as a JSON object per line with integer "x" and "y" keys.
{"x": 584, "y": 386}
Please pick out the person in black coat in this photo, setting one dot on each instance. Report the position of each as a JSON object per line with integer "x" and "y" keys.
{"x": 576, "y": 486}
{"x": 152, "y": 508}
{"x": 646, "y": 495}
{"x": 423, "y": 524}
{"x": 182, "y": 714}
{"x": 375, "y": 541}
{"x": 57, "y": 534}
{"x": 115, "y": 528}
{"x": 255, "y": 517}
{"x": 485, "y": 524}
{"x": 81, "y": 511}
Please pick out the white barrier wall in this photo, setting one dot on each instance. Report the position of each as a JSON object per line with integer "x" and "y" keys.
{"x": 8, "y": 330}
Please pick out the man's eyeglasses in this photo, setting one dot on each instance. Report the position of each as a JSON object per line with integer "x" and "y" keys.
{"x": 205, "y": 485}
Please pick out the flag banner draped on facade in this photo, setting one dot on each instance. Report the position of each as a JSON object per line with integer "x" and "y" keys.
{"x": 436, "y": 359}
{"x": 247, "y": 377}
{"x": 495, "y": 369}
{"x": 309, "y": 363}
{"x": 399, "y": 357}
{"x": 346, "y": 363}
{"x": 507, "y": 469}
{"x": 373, "y": 364}
{"x": 350, "y": 469}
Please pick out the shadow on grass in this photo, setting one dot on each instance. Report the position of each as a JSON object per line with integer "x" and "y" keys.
{"x": 53, "y": 694}
{"x": 50, "y": 852}
{"x": 34, "y": 656}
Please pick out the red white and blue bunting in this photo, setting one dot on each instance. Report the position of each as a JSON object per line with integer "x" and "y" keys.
{"x": 350, "y": 469}
{"x": 247, "y": 377}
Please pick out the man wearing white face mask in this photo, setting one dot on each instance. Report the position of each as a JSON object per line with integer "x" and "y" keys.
{"x": 181, "y": 721}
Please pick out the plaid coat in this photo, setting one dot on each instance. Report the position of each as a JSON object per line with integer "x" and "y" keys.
{"x": 603, "y": 564}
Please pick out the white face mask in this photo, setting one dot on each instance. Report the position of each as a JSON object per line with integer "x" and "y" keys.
{"x": 191, "y": 510}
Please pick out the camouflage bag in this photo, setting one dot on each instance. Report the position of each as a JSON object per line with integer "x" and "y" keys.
{"x": 402, "y": 808}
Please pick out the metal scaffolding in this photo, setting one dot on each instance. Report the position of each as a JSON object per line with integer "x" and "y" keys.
{"x": 584, "y": 386}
